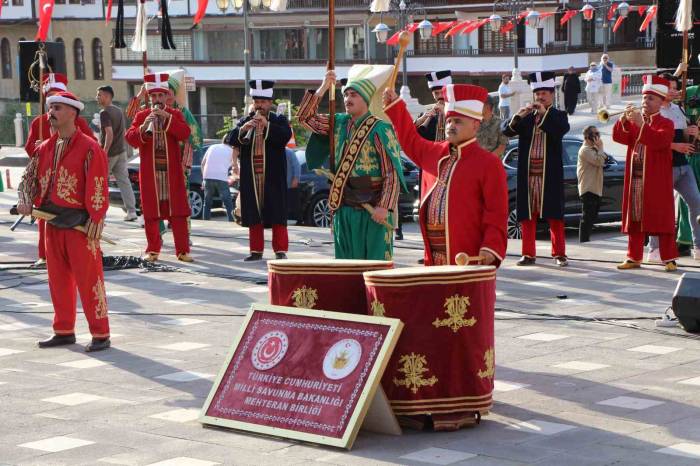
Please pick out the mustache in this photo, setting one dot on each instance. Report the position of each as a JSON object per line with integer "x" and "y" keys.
{"x": 451, "y": 131}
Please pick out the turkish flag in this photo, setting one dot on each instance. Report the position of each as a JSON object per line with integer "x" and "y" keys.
{"x": 45, "y": 12}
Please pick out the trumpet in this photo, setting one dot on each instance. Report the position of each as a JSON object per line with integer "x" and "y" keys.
{"x": 604, "y": 115}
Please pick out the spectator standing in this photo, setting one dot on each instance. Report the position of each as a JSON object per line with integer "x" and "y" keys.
{"x": 572, "y": 88}
{"x": 594, "y": 84}
{"x": 606, "y": 69}
{"x": 112, "y": 128}
{"x": 504, "y": 95}
{"x": 293, "y": 177}
{"x": 216, "y": 164}
{"x": 489, "y": 136}
{"x": 684, "y": 182}
{"x": 589, "y": 171}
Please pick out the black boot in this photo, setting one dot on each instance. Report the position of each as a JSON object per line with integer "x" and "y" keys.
{"x": 254, "y": 256}
{"x": 57, "y": 340}
{"x": 280, "y": 255}
{"x": 97, "y": 345}
{"x": 526, "y": 260}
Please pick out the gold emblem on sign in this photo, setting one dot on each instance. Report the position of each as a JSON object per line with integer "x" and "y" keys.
{"x": 413, "y": 370}
{"x": 456, "y": 308}
{"x": 341, "y": 360}
{"x": 377, "y": 308}
{"x": 305, "y": 297}
{"x": 490, "y": 366}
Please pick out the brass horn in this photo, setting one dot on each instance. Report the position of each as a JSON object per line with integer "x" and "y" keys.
{"x": 604, "y": 115}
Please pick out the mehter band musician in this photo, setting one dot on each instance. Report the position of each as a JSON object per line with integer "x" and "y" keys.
{"x": 41, "y": 130}
{"x": 647, "y": 199}
{"x": 67, "y": 177}
{"x": 157, "y": 133}
{"x": 540, "y": 128}
{"x": 465, "y": 208}
{"x": 368, "y": 164}
{"x": 261, "y": 138}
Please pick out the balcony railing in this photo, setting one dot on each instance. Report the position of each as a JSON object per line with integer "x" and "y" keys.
{"x": 361, "y": 4}
{"x": 545, "y": 50}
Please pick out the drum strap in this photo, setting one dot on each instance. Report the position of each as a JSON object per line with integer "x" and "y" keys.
{"x": 347, "y": 161}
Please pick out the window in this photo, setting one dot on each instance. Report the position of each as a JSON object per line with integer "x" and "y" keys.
{"x": 17, "y": 2}
{"x": 282, "y": 44}
{"x": 495, "y": 41}
{"x": 561, "y": 33}
{"x": 98, "y": 72}
{"x": 588, "y": 32}
{"x": 6, "y": 59}
{"x": 436, "y": 45}
{"x": 79, "y": 59}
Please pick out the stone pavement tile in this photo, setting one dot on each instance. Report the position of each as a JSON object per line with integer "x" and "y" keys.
{"x": 654, "y": 349}
{"x": 56, "y": 444}
{"x": 184, "y": 461}
{"x": 439, "y": 456}
{"x": 178, "y": 415}
{"x": 630, "y": 402}
{"x": 82, "y": 456}
{"x": 594, "y": 420}
{"x": 497, "y": 450}
{"x": 540, "y": 426}
{"x": 684, "y": 449}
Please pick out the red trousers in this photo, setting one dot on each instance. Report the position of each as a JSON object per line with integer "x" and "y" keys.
{"x": 668, "y": 250}
{"x": 74, "y": 261}
{"x": 181, "y": 234}
{"x": 42, "y": 239}
{"x": 256, "y": 238}
{"x": 556, "y": 233}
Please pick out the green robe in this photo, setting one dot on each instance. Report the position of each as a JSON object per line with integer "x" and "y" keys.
{"x": 356, "y": 235}
{"x": 685, "y": 235}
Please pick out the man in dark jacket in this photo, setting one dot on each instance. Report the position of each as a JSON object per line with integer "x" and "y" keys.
{"x": 262, "y": 137}
{"x": 571, "y": 88}
{"x": 540, "y": 128}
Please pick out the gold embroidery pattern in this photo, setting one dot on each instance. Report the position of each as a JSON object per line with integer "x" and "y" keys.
{"x": 348, "y": 161}
{"x": 93, "y": 246}
{"x": 98, "y": 290}
{"x": 490, "y": 366}
{"x": 305, "y": 297}
{"x": 378, "y": 308}
{"x": 44, "y": 182}
{"x": 365, "y": 163}
{"x": 66, "y": 186}
{"x": 98, "y": 198}
{"x": 392, "y": 145}
{"x": 455, "y": 307}
{"x": 413, "y": 370}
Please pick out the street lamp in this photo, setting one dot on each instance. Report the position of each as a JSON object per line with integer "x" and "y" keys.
{"x": 403, "y": 11}
{"x": 513, "y": 8}
{"x": 243, "y": 6}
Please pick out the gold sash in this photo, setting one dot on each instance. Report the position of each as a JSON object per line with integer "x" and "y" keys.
{"x": 348, "y": 159}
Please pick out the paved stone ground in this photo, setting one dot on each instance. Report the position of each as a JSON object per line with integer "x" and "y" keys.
{"x": 568, "y": 392}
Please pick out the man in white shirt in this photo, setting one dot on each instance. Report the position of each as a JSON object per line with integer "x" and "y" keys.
{"x": 215, "y": 167}
{"x": 593, "y": 86}
{"x": 504, "y": 95}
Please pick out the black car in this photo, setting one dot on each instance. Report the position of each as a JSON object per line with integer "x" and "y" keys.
{"x": 613, "y": 180}
{"x": 611, "y": 204}
{"x": 196, "y": 194}
{"x": 313, "y": 197}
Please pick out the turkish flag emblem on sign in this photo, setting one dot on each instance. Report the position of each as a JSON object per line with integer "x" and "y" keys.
{"x": 45, "y": 12}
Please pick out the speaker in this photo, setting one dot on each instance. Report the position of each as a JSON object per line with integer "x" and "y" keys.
{"x": 669, "y": 42}
{"x": 56, "y": 54}
{"x": 686, "y": 302}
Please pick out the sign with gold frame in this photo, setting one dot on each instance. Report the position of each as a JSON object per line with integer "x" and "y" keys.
{"x": 305, "y": 374}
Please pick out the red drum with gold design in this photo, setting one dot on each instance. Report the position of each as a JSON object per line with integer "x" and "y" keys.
{"x": 443, "y": 364}
{"x": 326, "y": 284}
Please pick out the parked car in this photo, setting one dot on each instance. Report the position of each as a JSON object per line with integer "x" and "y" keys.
{"x": 196, "y": 194}
{"x": 611, "y": 203}
{"x": 313, "y": 198}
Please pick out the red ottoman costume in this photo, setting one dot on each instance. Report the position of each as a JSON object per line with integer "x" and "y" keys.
{"x": 161, "y": 176}
{"x": 466, "y": 206}
{"x": 647, "y": 199}
{"x": 40, "y": 130}
{"x": 68, "y": 177}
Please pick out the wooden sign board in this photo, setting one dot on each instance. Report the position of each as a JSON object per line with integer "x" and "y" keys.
{"x": 305, "y": 374}
{"x": 190, "y": 84}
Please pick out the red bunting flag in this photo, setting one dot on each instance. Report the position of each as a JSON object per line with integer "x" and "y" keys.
{"x": 641, "y": 9}
{"x": 109, "y": 12}
{"x": 611, "y": 11}
{"x": 567, "y": 16}
{"x": 618, "y": 23}
{"x": 45, "y": 12}
{"x": 522, "y": 15}
{"x": 474, "y": 26}
{"x": 509, "y": 26}
{"x": 394, "y": 39}
{"x": 458, "y": 27}
{"x": 442, "y": 26}
{"x": 651, "y": 12}
{"x": 201, "y": 10}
